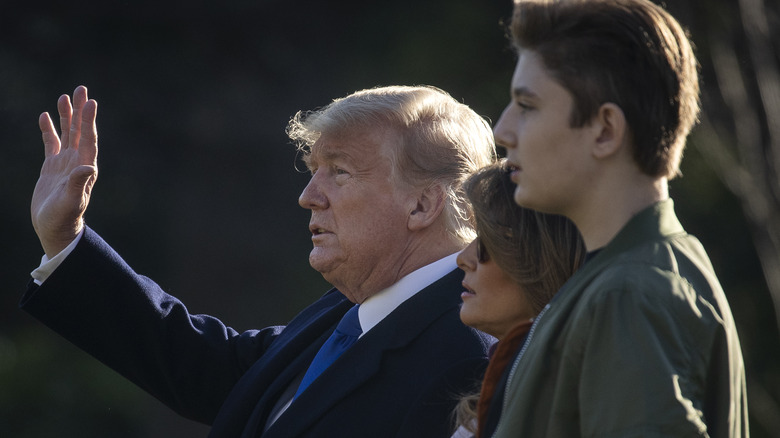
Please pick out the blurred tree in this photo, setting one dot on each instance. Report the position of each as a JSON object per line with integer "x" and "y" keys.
{"x": 739, "y": 138}
{"x": 198, "y": 188}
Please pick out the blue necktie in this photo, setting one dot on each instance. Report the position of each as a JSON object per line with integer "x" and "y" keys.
{"x": 346, "y": 333}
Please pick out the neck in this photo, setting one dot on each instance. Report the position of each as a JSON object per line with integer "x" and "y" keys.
{"x": 416, "y": 254}
{"x": 608, "y": 211}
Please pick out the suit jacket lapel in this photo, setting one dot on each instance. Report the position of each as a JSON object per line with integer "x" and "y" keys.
{"x": 258, "y": 388}
{"x": 269, "y": 397}
{"x": 364, "y": 359}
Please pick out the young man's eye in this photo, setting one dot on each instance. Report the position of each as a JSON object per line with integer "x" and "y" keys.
{"x": 524, "y": 106}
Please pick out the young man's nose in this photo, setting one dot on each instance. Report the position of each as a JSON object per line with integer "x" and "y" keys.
{"x": 503, "y": 133}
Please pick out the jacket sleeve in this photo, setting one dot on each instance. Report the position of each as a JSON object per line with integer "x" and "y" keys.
{"x": 642, "y": 358}
{"x": 97, "y": 302}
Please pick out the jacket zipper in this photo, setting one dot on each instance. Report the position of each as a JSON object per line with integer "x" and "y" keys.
{"x": 515, "y": 366}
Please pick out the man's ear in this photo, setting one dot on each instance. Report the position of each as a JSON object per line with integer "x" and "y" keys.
{"x": 430, "y": 204}
{"x": 610, "y": 129}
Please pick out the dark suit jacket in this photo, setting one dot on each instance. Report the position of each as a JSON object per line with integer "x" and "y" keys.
{"x": 401, "y": 379}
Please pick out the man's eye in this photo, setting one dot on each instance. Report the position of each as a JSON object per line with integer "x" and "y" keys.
{"x": 341, "y": 171}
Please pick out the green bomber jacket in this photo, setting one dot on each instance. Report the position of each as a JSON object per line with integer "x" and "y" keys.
{"x": 640, "y": 342}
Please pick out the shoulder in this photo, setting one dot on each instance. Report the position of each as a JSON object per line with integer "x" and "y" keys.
{"x": 665, "y": 288}
{"x": 673, "y": 271}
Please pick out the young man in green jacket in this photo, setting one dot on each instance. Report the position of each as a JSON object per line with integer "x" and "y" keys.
{"x": 641, "y": 341}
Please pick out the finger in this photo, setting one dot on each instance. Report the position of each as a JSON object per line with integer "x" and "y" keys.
{"x": 88, "y": 142}
{"x": 66, "y": 112}
{"x": 51, "y": 142}
{"x": 79, "y": 99}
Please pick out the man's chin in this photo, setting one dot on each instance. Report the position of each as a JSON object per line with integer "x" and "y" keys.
{"x": 320, "y": 263}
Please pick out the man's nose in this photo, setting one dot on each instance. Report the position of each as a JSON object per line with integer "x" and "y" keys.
{"x": 503, "y": 133}
{"x": 312, "y": 196}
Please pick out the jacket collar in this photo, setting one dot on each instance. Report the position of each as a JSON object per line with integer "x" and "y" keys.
{"x": 656, "y": 222}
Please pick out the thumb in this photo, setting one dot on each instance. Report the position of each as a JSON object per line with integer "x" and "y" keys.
{"x": 82, "y": 179}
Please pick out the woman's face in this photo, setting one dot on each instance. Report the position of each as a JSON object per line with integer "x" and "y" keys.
{"x": 492, "y": 301}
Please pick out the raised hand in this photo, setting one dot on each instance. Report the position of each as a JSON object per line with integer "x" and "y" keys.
{"x": 68, "y": 174}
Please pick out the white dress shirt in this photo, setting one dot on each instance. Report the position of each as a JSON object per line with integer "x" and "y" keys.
{"x": 48, "y": 265}
{"x": 376, "y": 307}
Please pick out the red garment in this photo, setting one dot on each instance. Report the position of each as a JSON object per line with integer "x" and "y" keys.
{"x": 504, "y": 352}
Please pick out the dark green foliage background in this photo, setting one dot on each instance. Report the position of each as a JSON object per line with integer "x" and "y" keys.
{"x": 198, "y": 184}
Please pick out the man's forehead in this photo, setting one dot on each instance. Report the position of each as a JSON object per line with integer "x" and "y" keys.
{"x": 326, "y": 151}
{"x": 533, "y": 80}
{"x": 348, "y": 145}
{"x": 529, "y": 69}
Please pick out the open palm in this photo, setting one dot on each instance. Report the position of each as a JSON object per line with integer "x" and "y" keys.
{"x": 68, "y": 174}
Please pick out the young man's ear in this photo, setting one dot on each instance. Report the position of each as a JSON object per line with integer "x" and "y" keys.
{"x": 610, "y": 130}
{"x": 430, "y": 204}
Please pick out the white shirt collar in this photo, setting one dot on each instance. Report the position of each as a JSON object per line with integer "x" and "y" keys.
{"x": 378, "y": 306}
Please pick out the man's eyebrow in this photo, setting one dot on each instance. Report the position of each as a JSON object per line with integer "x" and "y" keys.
{"x": 519, "y": 92}
{"x": 328, "y": 156}
{"x": 331, "y": 155}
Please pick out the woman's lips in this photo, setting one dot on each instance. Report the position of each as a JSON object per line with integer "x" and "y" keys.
{"x": 468, "y": 292}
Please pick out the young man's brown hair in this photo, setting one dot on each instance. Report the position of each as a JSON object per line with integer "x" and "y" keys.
{"x": 591, "y": 48}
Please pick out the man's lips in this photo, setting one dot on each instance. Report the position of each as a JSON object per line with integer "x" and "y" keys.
{"x": 318, "y": 231}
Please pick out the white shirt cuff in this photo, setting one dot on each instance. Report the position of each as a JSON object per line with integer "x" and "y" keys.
{"x": 48, "y": 265}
